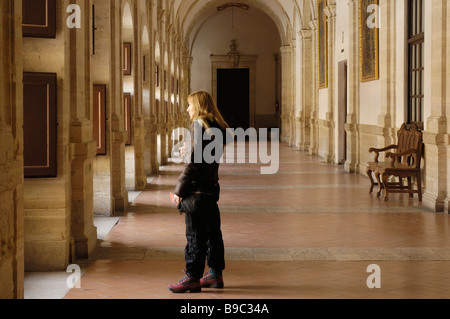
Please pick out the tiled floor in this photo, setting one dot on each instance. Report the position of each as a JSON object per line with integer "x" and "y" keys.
{"x": 310, "y": 231}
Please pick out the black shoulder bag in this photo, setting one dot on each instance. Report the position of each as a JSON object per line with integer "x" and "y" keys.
{"x": 195, "y": 203}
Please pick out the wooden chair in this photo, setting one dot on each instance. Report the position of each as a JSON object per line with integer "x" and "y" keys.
{"x": 402, "y": 162}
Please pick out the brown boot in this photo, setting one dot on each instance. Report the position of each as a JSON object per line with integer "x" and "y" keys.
{"x": 188, "y": 283}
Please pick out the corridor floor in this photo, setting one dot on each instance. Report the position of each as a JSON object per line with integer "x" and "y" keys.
{"x": 310, "y": 231}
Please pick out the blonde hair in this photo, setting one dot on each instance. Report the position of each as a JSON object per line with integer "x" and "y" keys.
{"x": 205, "y": 108}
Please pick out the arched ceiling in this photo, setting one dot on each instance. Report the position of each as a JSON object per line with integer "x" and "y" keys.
{"x": 286, "y": 14}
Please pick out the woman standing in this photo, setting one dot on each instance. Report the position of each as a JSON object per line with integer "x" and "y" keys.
{"x": 197, "y": 193}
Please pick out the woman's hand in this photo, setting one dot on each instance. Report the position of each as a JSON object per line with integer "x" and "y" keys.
{"x": 183, "y": 150}
{"x": 175, "y": 199}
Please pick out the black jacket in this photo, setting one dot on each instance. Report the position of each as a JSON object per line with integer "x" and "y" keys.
{"x": 202, "y": 176}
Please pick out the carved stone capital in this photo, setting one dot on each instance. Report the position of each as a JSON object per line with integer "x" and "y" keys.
{"x": 286, "y": 49}
{"x": 161, "y": 15}
{"x": 330, "y": 10}
{"x": 305, "y": 34}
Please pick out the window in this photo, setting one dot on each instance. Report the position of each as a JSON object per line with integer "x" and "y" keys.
{"x": 416, "y": 62}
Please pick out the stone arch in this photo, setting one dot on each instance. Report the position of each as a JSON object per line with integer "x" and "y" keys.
{"x": 127, "y": 15}
{"x": 195, "y": 17}
{"x": 307, "y": 13}
{"x": 257, "y": 56}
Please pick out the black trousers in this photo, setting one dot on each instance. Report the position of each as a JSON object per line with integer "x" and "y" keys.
{"x": 204, "y": 241}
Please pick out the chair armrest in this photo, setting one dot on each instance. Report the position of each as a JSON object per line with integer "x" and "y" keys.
{"x": 383, "y": 149}
{"x": 377, "y": 151}
{"x": 393, "y": 156}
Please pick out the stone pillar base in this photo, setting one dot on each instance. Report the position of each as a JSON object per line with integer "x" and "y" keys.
{"x": 434, "y": 202}
{"x": 85, "y": 246}
{"x": 447, "y": 205}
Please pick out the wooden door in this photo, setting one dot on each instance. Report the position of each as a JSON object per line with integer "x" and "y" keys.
{"x": 233, "y": 96}
{"x": 39, "y": 124}
{"x": 39, "y": 18}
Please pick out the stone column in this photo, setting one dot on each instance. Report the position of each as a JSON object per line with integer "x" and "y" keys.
{"x": 297, "y": 83}
{"x": 185, "y": 86}
{"x": 151, "y": 142}
{"x": 351, "y": 127}
{"x": 162, "y": 123}
{"x": 447, "y": 111}
{"x": 171, "y": 73}
{"x": 181, "y": 109}
{"x": 150, "y": 120}
{"x": 78, "y": 50}
{"x": 151, "y": 131}
{"x": 294, "y": 133}
{"x": 140, "y": 177}
{"x": 436, "y": 137}
{"x": 314, "y": 140}
{"x": 139, "y": 149}
{"x": 306, "y": 87}
{"x": 118, "y": 134}
{"x": 330, "y": 11}
{"x": 286, "y": 94}
{"x": 276, "y": 57}
{"x": 11, "y": 152}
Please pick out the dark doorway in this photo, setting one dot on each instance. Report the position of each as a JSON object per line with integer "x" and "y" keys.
{"x": 233, "y": 96}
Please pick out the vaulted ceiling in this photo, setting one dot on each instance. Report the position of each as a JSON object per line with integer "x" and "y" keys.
{"x": 289, "y": 16}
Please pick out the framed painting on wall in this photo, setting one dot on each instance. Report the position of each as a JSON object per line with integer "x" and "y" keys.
{"x": 369, "y": 40}
{"x": 322, "y": 44}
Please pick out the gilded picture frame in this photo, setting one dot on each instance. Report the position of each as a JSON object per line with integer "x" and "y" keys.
{"x": 322, "y": 45}
{"x": 369, "y": 40}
